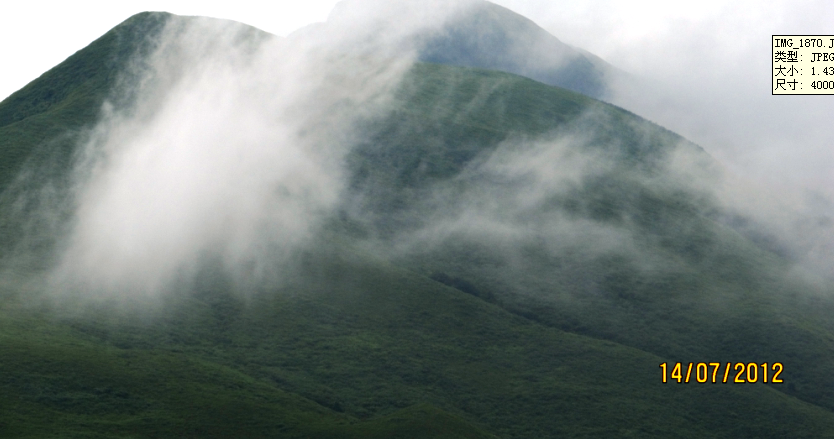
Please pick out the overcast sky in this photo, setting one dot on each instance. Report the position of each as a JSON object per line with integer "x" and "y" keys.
{"x": 710, "y": 61}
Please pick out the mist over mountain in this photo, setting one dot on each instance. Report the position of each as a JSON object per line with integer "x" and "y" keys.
{"x": 421, "y": 227}
{"x": 484, "y": 35}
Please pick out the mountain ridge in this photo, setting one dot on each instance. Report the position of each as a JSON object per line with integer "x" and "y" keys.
{"x": 486, "y": 35}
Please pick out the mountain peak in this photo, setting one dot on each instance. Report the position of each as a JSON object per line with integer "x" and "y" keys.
{"x": 476, "y": 33}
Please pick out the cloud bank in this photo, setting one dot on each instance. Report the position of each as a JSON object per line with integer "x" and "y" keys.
{"x": 230, "y": 152}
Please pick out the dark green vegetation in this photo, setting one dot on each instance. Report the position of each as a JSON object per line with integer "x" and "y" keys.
{"x": 48, "y": 114}
{"x": 473, "y": 336}
{"x": 381, "y": 346}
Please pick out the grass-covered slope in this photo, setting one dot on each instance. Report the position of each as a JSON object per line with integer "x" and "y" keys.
{"x": 50, "y": 111}
{"x": 680, "y": 283}
{"x": 75, "y": 378}
{"x": 471, "y": 336}
{"x": 447, "y": 118}
{"x": 359, "y": 339}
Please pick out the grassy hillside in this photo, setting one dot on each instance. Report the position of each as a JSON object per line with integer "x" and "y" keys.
{"x": 682, "y": 283}
{"x": 45, "y": 117}
{"x": 359, "y": 339}
{"x": 542, "y": 332}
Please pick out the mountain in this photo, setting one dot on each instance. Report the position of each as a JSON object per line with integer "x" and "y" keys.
{"x": 506, "y": 258}
{"x": 495, "y": 38}
{"x": 489, "y": 36}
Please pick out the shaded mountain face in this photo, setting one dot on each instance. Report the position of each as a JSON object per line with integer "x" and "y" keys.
{"x": 484, "y": 35}
{"x": 352, "y": 243}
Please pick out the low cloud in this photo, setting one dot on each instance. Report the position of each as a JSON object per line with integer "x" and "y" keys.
{"x": 230, "y": 152}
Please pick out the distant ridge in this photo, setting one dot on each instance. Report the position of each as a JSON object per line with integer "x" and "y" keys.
{"x": 489, "y": 36}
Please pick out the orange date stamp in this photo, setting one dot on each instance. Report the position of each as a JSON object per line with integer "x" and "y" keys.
{"x": 722, "y": 373}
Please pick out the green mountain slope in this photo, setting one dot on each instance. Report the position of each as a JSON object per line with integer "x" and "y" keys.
{"x": 61, "y": 385}
{"x": 362, "y": 338}
{"x": 680, "y": 283}
{"x": 51, "y": 110}
{"x": 468, "y": 335}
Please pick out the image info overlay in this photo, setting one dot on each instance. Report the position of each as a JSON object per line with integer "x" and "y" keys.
{"x": 803, "y": 65}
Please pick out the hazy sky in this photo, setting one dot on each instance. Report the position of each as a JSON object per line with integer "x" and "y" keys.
{"x": 710, "y": 61}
